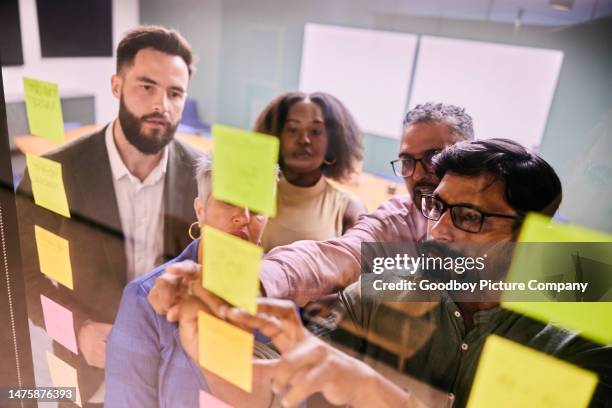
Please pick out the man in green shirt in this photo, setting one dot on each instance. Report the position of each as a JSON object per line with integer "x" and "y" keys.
{"x": 486, "y": 189}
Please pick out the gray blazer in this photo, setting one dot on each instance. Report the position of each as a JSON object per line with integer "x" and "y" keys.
{"x": 94, "y": 229}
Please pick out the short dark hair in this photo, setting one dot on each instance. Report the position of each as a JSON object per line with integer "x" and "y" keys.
{"x": 531, "y": 183}
{"x": 156, "y": 37}
{"x": 344, "y": 138}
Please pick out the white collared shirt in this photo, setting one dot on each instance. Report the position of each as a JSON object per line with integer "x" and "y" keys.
{"x": 140, "y": 209}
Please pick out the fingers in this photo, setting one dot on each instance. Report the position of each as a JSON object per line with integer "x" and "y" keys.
{"x": 307, "y": 354}
{"x": 267, "y": 325}
{"x": 184, "y": 269}
{"x": 308, "y": 381}
{"x": 283, "y": 309}
{"x": 214, "y": 303}
{"x": 162, "y": 295}
{"x": 171, "y": 285}
{"x": 271, "y": 313}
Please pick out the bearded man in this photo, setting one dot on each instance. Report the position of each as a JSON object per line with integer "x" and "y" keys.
{"x": 130, "y": 188}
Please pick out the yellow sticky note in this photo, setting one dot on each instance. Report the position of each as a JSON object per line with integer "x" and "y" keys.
{"x": 231, "y": 268}
{"x": 54, "y": 256}
{"x": 512, "y": 375}
{"x": 63, "y": 375}
{"x": 244, "y": 168}
{"x": 591, "y": 318}
{"x": 226, "y": 350}
{"x": 48, "y": 184}
{"x": 44, "y": 109}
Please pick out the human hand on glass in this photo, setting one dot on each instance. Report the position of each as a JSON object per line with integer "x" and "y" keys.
{"x": 173, "y": 285}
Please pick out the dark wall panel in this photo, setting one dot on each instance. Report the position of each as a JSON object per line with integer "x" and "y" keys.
{"x": 11, "y": 52}
{"x": 75, "y": 28}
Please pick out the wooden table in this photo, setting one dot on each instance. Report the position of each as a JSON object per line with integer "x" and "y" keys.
{"x": 38, "y": 146}
{"x": 373, "y": 190}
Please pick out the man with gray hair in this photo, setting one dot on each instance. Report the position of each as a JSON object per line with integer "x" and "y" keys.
{"x": 307, "y": 270}
{"x": 428, "y": 128}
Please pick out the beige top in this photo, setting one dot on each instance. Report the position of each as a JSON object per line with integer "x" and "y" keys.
{"x": 314, "y": 213}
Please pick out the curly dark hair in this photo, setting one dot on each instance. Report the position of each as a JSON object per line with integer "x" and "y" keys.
{"x": 344, "y": 138}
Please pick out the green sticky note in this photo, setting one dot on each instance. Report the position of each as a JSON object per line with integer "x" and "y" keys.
{"x": 231, "y": 268}
{"x": 590, "y": 318}
{"x": 244, "y": 168}
{"x": 44, "y": 109}
{"x": 539, "y": 228}
{"x": 47, "y": 184}
{"x": 512, "y": 375}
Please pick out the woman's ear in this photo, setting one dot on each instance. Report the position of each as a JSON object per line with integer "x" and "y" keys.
{"x": 200, "y": 210}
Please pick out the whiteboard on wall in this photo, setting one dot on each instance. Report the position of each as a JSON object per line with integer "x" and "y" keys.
{"x": 506, "y": 89}
{"x": 368, "y": 70}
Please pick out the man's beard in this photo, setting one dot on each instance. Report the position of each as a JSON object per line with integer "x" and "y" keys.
{"x": 132, "y": 128}
{"x": 496, "y": 258}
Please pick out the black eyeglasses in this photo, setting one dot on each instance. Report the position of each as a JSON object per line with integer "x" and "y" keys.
{"x": 464, "y": 217}
{"x": 404, "y": 166}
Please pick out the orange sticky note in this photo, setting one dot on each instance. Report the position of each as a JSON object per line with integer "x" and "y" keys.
{"x": 48, "y": 184}
{"x": 63, "y": 375}
{"x": 54, "y": 256}
{"x": 59, "y": 323}
{"x": 232, "y": 268}
{"x": 208, "y": 401}
{"x": 226, "y": 350}
{"x": 512, "y": 375}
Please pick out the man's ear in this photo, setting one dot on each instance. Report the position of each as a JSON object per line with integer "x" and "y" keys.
{"x": 116, "y": 85}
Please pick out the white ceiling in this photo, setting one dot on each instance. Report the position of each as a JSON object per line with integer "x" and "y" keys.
{"x": 536, "y": 12}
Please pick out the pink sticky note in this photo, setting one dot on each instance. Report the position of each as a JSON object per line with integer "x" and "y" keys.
{"x": 208, "y": 401}
{"x": 59, "y": 323}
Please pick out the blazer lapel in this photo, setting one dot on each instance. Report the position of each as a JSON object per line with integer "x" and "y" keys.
{"x": 98, "y": 203}
{"x": 95, "y": 182}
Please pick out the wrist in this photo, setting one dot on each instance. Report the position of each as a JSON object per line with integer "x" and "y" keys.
{"x": 380, "y": 392}
{"x": 367, "y": 388}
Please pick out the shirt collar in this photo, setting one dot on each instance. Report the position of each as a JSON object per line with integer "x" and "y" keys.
{"x": 118, "y": 167}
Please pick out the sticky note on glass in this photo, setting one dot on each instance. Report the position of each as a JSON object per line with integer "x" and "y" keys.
{"x": 44, "y": 109}
{"x": 63, "y": 375}
{"x": 48, "y": 184}
{"x": 512, "y": 375}
{"x": 538, "y": 228}
{"x": 53, "y": 256}
{"x": 226, "y": 350}
{"x": 231, "y": 268}
{"x": 591, "y": 318}
{"x": 244, "y": 168}
{"x": 59, "y": 323}
{"x": 208, "y": 401}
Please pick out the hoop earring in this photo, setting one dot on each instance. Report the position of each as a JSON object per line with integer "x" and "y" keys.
{"x": 329, "y": 162}
{"x": 191, "y": 233}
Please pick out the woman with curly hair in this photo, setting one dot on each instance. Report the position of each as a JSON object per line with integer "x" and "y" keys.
{"x": 319, "y": 140}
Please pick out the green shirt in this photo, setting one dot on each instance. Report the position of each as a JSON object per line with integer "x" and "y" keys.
{"x": 441, "y": 353}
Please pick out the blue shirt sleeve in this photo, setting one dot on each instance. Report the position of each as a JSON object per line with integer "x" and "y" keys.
{"x": 133, "y": 352}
